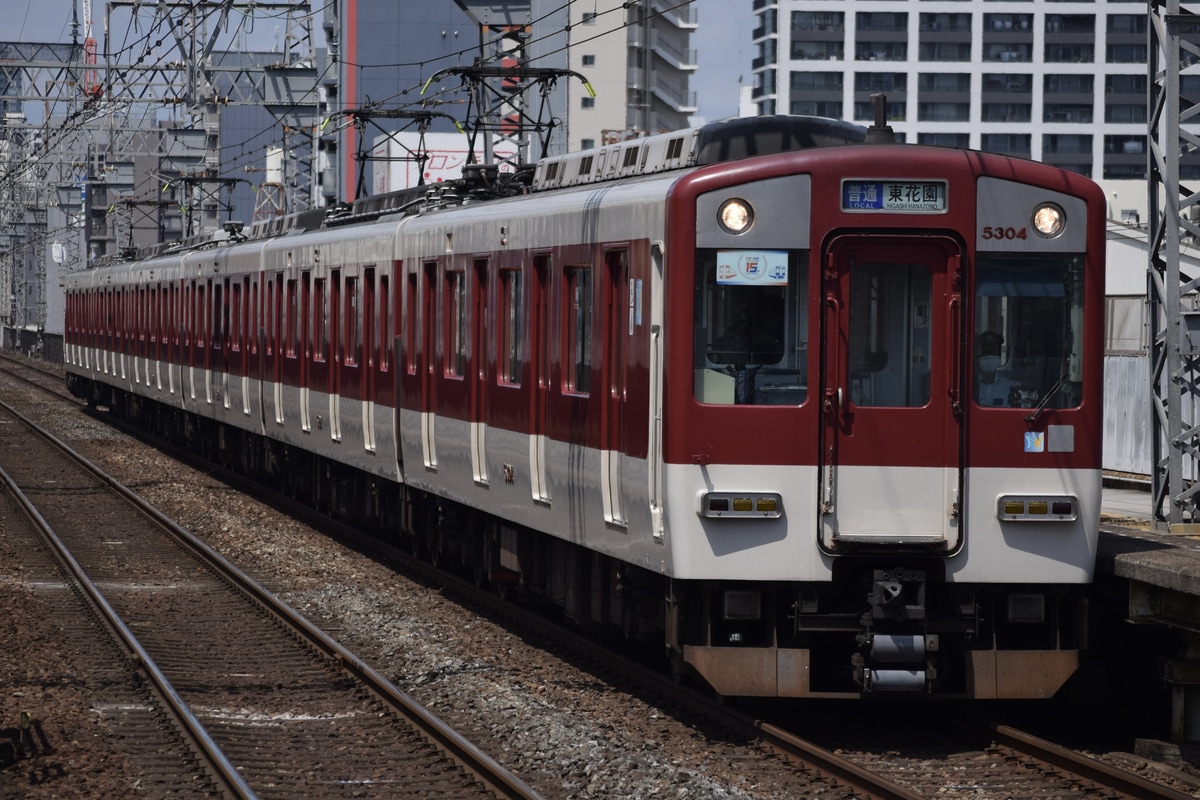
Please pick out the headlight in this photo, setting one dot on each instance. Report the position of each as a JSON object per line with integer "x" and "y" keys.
{"x": 735, "y": 216}
{"x": 1049, "y": 220}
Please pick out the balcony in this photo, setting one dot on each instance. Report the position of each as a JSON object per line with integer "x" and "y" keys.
{"x": 680, "y": 15}
{"x": 675, "y": 96}
{"x": 683, "y": 58}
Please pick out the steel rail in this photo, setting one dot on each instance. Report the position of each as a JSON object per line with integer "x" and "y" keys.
{"x": 499, "y": 779}
{"x": 230, "y": 781}
{"x": 1112, "y": 777}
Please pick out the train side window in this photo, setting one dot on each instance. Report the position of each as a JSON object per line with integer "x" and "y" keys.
{"x": 512, "y": 327}
{"x": 269, "y": 316}
{"x": 238, "y": 309}
{"x": 410, "y": 324}
{"x": 254, "y": 319}
{"x": 320, "y": 321}
{"x": 291, "y": 323}
{"x": 385, "y": 324}
{"x": 751, "y": 316}
{"x": 306, "y": 306}
{"x": 456, "y": 324}
{"x": 353, "y": 324}
{"x": 219, "y": 310}
{"x": 277, "y": 329}
{"x": 1028, "y": 339}
{"x": 247, "y": 336}
{"x": 201, "y": 317}
{"x": 578, "y": 317}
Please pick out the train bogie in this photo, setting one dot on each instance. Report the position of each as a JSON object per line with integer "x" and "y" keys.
{"x": 825, "y": 421}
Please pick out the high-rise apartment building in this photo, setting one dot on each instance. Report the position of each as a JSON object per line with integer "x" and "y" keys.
{"x": 638, "y": 58}
{"x": 1060, "y": 82}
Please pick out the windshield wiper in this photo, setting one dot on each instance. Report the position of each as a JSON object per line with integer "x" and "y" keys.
{"x": 1037, "y": 411}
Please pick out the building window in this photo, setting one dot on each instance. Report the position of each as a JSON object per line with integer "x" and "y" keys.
{"x": 1125, "y": 145}
{"x": 1007, "y": 22}
{"x": 1069, "y": 84}
{"x": 1008, "y": 52}
{"x": 1125, "y": 113}
{"x": 1126, "y": 53}
{"x": 589, "y": 61}
{"x": 589, "y": 18}
{"x": 1070, "y": 53}
{"x": 1011, "y": 144}
{"x": 816, "y": 81}
{"x": 1067, "y": 112}
{"x": 945, "y": 51}
{"x": 803, "y": 21}
{"x": 833, "y": 110}
{"x": 943, "y": 112}
{"x": 1127, "y": 84}
{"x": 1007, "y": 82}
{"x": 1066, "y": 144}
{"x": 1007, "y": 112}
{"x": 817, "y": 51}
{"x": 865, "y": 111}
{"x": 946, "y": 23}
{"x": 881, "y": 21}
{"x": 944, "y": 82}
{"x": 881, "y": 51}
{"x": 587, "y": 102}
{"x": 586, "y": 144}
{"x": 1071, "y": 23}
{"x": 873, "y": 82}
{"x": 959, "y": 140}
{"x": 1134, "y": 24}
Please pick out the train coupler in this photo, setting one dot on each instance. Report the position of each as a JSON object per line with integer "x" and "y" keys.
{"x": 896, "y": 663}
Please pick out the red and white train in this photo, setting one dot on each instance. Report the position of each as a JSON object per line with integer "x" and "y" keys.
{"x": 824, "y": 416}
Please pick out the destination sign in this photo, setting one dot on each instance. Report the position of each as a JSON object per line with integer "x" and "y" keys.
{"x": 867, "y": 195}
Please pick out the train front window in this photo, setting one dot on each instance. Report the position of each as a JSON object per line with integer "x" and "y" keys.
{"x": 890, "y": 334}
{"x": 1028, "y": 333}
{"x": 751, "y": 322}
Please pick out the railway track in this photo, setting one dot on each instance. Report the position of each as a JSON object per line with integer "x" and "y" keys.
{"x": 274, "y": 707}
{"x": 37, "y": 375}
{"x": 990, "y": 766}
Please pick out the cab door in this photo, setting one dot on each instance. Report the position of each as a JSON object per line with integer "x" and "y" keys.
{"x": 890, "y": 383}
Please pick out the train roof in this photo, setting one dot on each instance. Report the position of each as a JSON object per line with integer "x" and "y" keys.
{"x": 725, "y": 140}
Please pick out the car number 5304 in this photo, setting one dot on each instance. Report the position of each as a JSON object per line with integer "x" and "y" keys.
{"x": 1004, "y": 233}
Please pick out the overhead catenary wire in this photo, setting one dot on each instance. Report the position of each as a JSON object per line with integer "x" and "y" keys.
{"x": 117, "y": 87}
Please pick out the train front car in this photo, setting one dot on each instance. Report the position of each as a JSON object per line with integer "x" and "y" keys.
{"x": 882, "y": 422}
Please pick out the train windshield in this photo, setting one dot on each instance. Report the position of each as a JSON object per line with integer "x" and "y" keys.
{"x": 1028, "y": 339}
{"x": 751, "y": 323}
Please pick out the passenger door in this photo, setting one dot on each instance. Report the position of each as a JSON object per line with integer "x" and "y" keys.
{"x": 890, "y": 383}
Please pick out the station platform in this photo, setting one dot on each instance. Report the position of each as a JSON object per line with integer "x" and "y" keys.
{"x": 1124, "y": 504}
{"x": 1157, "y": 576}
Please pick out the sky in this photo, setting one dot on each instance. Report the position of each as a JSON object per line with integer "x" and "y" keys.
{"x": 724, "y": 52}
{"x": 722, "y": 43}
